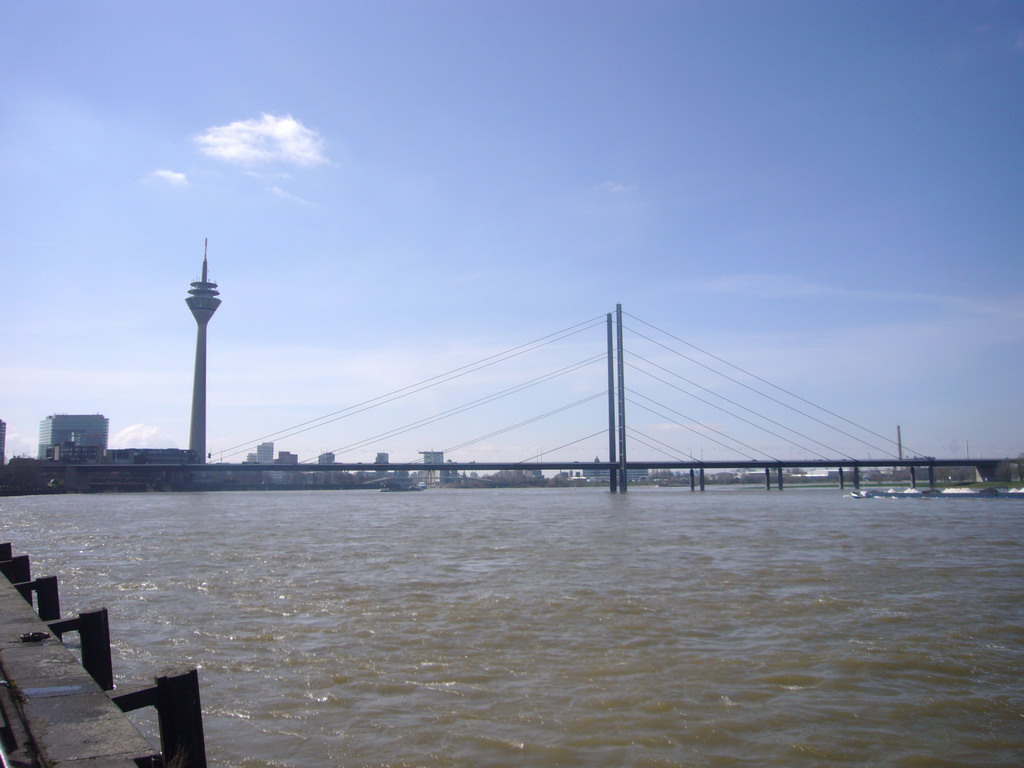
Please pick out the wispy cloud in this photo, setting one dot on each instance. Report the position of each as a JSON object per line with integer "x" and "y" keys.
{"x": 262, "y": 140}
{"x": 173, "y": 178}
{"x": 286, "y": 195}
{"x": 763, "y": 286}
{"x": 614, "y": 187}
{"x": 788, "y": 286}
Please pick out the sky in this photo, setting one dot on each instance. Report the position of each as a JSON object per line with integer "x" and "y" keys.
{"x": 826, "y": 196}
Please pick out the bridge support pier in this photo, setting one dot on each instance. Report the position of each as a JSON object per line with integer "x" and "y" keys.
{"x": 767, "y": 479}
{"x": 779, "y": 475}
{"x": 931, "y": 476}
{"x": 856, "y": 477}
{"x": 842, "y": 479}
{"x": 692, "y": 479}
{"x": 986, "y": 471}
{"x": 913, "y": 477}
{"x": 701, "y": 478}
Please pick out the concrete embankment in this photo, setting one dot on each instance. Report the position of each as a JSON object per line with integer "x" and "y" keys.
{"x": 54, "y": 713}
{"x": 59, "y": 712}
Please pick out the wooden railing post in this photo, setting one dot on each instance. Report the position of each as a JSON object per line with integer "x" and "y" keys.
{"x": 16, "y": 569}
{"x": 176, "y": 698}
{"x": 93, "y": 628}
{"x": 47, "y": 596}
{"x": 181, "y": 720}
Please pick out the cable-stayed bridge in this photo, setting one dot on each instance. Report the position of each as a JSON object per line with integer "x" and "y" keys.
{"x": 688, "y": 390}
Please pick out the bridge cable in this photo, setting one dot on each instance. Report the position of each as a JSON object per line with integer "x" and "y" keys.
{"x": 634, "y": 432}
{"x": 699, "y": 424}
{"x": 467, "y": 406}
{"x": 763, "y": 394}
{"x": 580, "y": 440}
{"x": 738, "y": 405}
{"x": 424, "y": 384}
{"x": 531, "y": 420}
{"x": 770, "y": 384}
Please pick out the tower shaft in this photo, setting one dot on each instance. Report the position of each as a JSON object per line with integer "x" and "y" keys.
{"x": 197, "y": 428}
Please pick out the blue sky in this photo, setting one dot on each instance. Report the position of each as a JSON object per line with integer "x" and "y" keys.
{"x": 826, "y": 194}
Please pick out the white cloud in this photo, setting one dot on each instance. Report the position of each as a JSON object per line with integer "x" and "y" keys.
{"x": 615, "y": 187}
{"x": 173, "y": 178}
{"x": 264, "y": 140}
{"x": 142, "y": 436}
{"x": 788, "y": 286}
{"x": 765, "y": 286}
{"x": 286, "y": 195}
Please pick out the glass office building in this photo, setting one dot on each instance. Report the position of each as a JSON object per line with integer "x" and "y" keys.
{"x": 65, "y": 430}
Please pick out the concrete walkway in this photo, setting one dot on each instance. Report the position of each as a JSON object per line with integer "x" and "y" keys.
{"x": 52, "y": 713}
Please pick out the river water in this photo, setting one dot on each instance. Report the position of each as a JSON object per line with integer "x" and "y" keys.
{"x": 560, "y": 627}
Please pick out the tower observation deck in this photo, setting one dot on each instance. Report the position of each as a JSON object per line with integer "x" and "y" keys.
{"x": 203, "y": 302}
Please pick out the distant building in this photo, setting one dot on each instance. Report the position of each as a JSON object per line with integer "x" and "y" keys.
{"x": 3, "y": 442}
{"x": 431, "y": 457}
{"x": 632, "y": 475}
{"x": 381, "y": 461}
{"x": 597, "y": 474}
{"x": 265, "y": 453}
{"x": 325, "y": 458}
{"x": 72, "y": 433}
{"x": 150, "y": 456}
{"x": 287, "y": 457}
{"x": 70, "y": 453}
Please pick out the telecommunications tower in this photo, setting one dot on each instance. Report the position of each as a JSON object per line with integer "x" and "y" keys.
{"x": 203, "y": 302}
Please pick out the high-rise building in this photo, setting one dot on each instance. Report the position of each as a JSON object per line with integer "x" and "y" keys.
{"x": 437, "y": 457}
{"x": 3, "y": 442}
{"x": 86, "y": 433}
{"x": 203, "y": 302}
{"x": 265, "y": 453}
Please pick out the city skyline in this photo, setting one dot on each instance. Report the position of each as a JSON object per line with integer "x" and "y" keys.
{"x": 826, "y": 195}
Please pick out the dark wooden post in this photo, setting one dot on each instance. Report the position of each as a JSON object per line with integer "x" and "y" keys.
{"x": 47, "y": 596}
{"x": 93, "y": 630}
{"x": 180, "y": 716}
{"x": 17, "y": 569}
{"x": 181, "y": 720}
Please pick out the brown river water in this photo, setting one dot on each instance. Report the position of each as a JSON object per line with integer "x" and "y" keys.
{"x": 560, "y": 627}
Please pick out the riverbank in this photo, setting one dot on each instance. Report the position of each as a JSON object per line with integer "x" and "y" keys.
{"x": 54, "y": 713}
